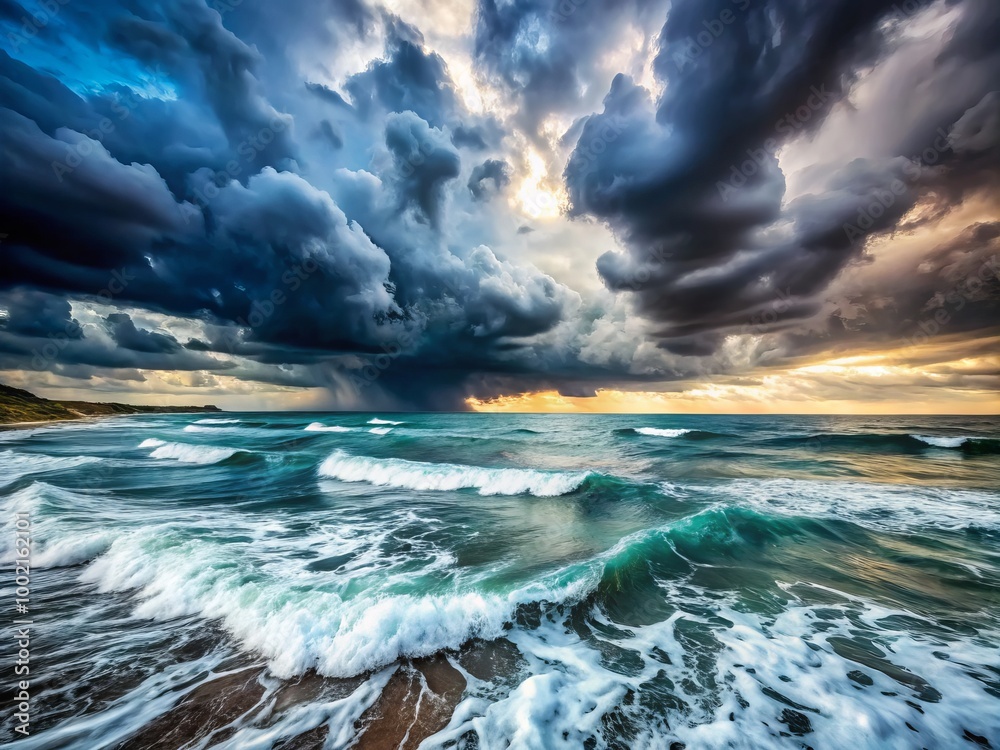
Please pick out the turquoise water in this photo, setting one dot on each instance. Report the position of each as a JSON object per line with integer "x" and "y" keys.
{"x": 714, "y": 581}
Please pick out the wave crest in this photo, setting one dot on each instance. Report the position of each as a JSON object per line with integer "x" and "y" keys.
{"x": 320, "y": 427}
{"x": 188, "y": 454}
{"x": 310, "y": 628}
{"x": 14, "y": 465}
{"x": 418, "y": 475}
{"x": 657, "y": 432}
{"x": 669, "y": 432}
{"x": 890, "y": 442}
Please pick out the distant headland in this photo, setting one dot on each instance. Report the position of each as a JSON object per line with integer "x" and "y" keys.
{"x": 17, "y": 405}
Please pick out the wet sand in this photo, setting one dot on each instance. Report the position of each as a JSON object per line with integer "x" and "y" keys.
{"x": 417, "y": 701}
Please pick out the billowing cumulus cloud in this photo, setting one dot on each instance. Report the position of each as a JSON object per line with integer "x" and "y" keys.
{"x": 694, "y": 185}
{"x": 406, "y": 210}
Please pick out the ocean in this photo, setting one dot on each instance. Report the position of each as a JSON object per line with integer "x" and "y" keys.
{"x": 263, "y": 580}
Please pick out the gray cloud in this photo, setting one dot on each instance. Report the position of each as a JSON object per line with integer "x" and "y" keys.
{"x": 296, "y": 226}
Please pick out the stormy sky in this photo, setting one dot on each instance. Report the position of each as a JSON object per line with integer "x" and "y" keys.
{"x": 696, "y": 205}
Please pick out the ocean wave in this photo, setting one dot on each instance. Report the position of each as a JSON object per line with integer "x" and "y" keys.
{"x": 376, "y": 420}
{"x": 759, "y": 664}
{"x": 380, "y": 430}
{"x": 678, "y": 432}
{"x": 418, "y": 475}
{"x": 15, "y": 465}
{"x": 941, "y": 442}
{"x": 891, "y": 442}
{"x": 188, "y": 454}
{"x": 217, "y": 429}
{"x": 320, "y": 427}
{"x": 879, "y": 506}
{"x": 62, "y": 553}
{"x": 965, "y": 443}
{"x": 738, "y": 679}
{"x": 657, "y": 432}
{"x": 218, "y": 421}
{"x": 51, "y": 548}
{"x": 307, "y": 627}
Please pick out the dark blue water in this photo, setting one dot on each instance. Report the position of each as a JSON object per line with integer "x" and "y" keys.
{"x": 572, "y": 581}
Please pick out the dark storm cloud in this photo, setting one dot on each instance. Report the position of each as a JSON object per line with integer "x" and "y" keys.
{"x": 39, "y": 333}
{"x": 469, "y": 137}
{"x": 953, "y": 290}
{"x": 189, "y": 41}
{"x": 126, "y": 198}
{"x": 127, "y": 336}
{"x": 496, "y": 171}
{"x": 34, "y": 313}
{"x": 331, "y": 133}
{"x": 693, "y": 187}
{"x": 11, "y": 10}
{"x": 328, "y": 95}
{"x": 301, "y": 228}
{"x": 546, "y": 53}
{"x": 425, "y": 159}
{"x": 408, "y": 80}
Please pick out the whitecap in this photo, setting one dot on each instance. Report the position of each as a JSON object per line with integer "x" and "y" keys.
{"x": 72, "y": 551}
{"x": 189, "y": 454}
{"x": 14, "y": 465}
{"x": 739, "y": 693}
{"x": 658, "y": 432}
{"x": 941, "y": 442}
{"x": 299, "y": 629}
{"x": 380, "y": 430}
{"x": 418, "y": 475}
{"x": 376, "y": 420}
{"x": 218, "y": 421}
{"x": 878, "y": 506}
{"x": 320, "y": 427}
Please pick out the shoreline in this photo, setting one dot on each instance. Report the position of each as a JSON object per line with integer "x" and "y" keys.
{"x": 88, "y": 417}
{"x": 27, "y": 409}
{"x": 36, "y": 423}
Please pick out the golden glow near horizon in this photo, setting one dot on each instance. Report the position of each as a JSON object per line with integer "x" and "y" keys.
{"x": 851, "y": 385}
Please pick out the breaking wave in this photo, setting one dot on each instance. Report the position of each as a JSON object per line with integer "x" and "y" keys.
{"x": 188, "y": 454}
{"x": 418, "y": 475}
{"x": 320, "y": 427}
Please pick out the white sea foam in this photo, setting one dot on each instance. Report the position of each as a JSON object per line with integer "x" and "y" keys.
{"x": 657, "y": 432}
{"x": 218, "y": 421}
{"x": 215, "y": 430}
{"x": 14, "y": 465}
{"x": 189, "y": 454}
{"x": 320, "y": 427}
{"x": 376, "y": 420}
{"x": 572, "y": 685}
{"x": 880, "y": 506}
{"x": 380, "y": 430}
{"x": 52, "y": 546}
{"x": 942, "y": 442}
{"x": 418, "y": 475}
{"x": 20, "y": 433}
{"x": 72, "y": 551}
{"x": 172, "y": 574}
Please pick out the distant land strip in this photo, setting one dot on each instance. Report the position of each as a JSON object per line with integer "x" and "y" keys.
{"x": 17, "y": 405}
